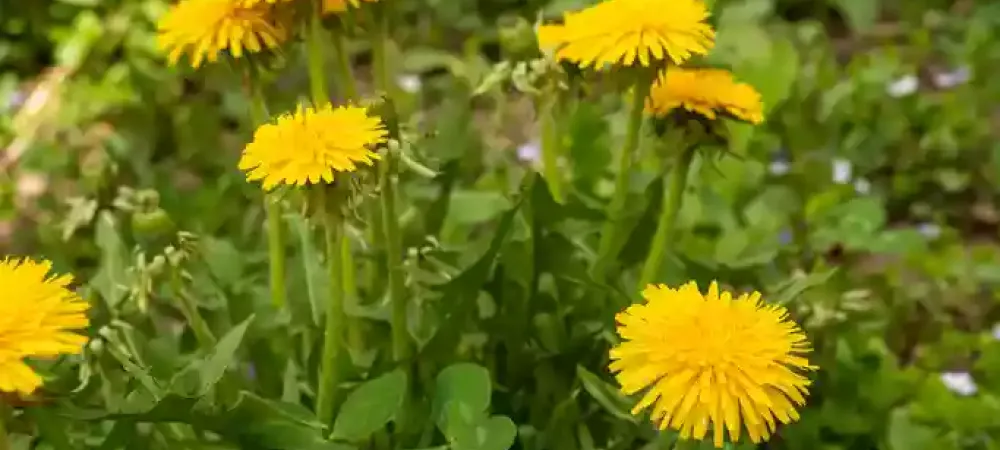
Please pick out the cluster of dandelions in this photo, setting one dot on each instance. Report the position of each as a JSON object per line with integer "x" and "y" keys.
{"x": 707, "y": 363}
{"x": 39, "y": 317}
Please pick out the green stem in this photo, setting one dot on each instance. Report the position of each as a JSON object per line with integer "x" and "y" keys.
{"x": 349, "y": 93}
{"x": 345, "y": 76}
{"x": 380, "y": 43}
{"x": 320, "y": 96}
{"x": 664, "y": 238}
{"x": 330, "y": 376}
{"x": 394, "y": 259}
{"x": 202, "y": 332}
{"x": 5, "y": 413}
{"x": 387, "y": 184}
{"x": 276, "y": 250}
{"x": 551, "y": 145}
{"x": 272, "y": 208}
{"x": 355, "y": 334}
{"x": 317, "y": 72}
{"x": 614, "y": 227}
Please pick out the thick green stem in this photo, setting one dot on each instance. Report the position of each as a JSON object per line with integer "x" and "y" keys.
{"x": 664, "y": 238}
{"x": 387, "y": 185}
{"x": 317, "y": 72}
{"x": 320, "y": 96}
{"x": 5, "y": 413}
{"x": 394, "y": 256}
{"x": 349, "y": 93}
{"x": 329, "y": 375}
{"x": 614, "y": 227}
{"x": 551, "y": 144}
{"x": 380, "y": 42}
{"x": 345, "y": 76}
{"x": 272, "y": 208}
{"x": 355, "y": 334}
{"x": 276, "y": 250}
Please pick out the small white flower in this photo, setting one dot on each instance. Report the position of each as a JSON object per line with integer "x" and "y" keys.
{"x": 996, "y": 331}
{"x": 960, "y": 383}
{"x": 903, "y": 86}
{"x": 530, "y": 152}
{"x": 842, "y": 171}
{"x": 409, "y": 83}
{"x": 930, "y": 230}
{"x": 957, "y": 77}
{"x": 862, "y": 186}
{"x": 780, "y": 167}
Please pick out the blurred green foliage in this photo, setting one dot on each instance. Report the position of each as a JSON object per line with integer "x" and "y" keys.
{"x": 867, "y": 203}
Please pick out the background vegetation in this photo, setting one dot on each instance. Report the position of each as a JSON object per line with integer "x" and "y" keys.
{"x": 867, "y": 203}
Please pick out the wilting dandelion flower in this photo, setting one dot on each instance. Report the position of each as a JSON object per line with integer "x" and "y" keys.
{"x": 630, "y": 32}
{"x": 205, "y": 28}
{"x": 712, "y": 361}
{"x": 309, "y": 146}
{"x": 707, "y": 92}
{"x": 38, "y": 313}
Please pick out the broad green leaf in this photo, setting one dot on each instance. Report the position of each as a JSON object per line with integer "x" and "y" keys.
{"x": 493, "y": 433}
{"x": 465, "y": 384}
{"x": 862, "y": 15}
{"x": 905, "y": 434}
{"x": 370, "y": 407}
{"x": 900, "y": 242}
{"x": 223, "y": 260}
{"x": 471, "y": 207}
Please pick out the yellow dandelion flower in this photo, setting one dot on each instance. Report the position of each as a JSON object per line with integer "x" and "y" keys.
{"x": 205, "y": 28}
{"x": 336, "y": 6}
{"x": 38, "y": 313}
{"x": 712, "y": 360}
{"x": 309, "y": 146}
{"x": 627, "y": 32}
{"x": 706, "y": 92}
{"x": 329, "y": 6}
{"x": 253, "y": 3}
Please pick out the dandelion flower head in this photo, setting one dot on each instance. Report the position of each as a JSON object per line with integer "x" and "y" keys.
{"x": 336, "y": 6}
{"x": 712, "y": 360}
{"x": 630, "y": 32}
{"x": 204, "y": 28}
{"x": 310, "y": 145}
{"x": 706, "y": 92}
{"x": 253, "y": 3}
{"x": 329, "y": 6}
{"x": 38, "y": 316}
